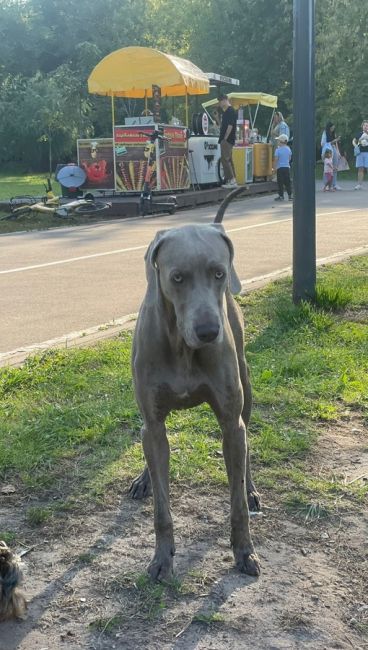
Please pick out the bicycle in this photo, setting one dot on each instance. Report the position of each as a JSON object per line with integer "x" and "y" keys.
{"x": 51, "y": 204}
{"x": 146, "y": 203}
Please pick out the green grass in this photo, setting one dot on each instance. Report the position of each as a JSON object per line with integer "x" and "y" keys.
{"x": 19, "y": 184}
{"x": 38, "y": 221}
{"x": 140, "y": 599}
{"x": 107, "y": 625}
{"x": 69, "y": 424}
{"x": 37, "y": 516}
{"x": 8, "y": 536}
{"x": 208, "y": 619}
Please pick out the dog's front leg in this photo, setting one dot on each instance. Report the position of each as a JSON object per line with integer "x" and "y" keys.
{"x": 157, "y": 453}
{"x": 234, "y": 448}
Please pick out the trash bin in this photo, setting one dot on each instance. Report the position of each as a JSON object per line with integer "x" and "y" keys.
{"x": 262, "y": 161}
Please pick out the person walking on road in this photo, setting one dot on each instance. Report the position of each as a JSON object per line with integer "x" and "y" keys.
{"x": 227, "y": 140}
{"x": 282, "y": 159}
{"x": 360, "y": 144}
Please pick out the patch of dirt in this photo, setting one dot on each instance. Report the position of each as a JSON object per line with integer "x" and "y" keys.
{"x": 359, "y": 315}
{"x": 84, "y": 590}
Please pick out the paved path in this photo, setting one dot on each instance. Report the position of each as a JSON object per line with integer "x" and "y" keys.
{"x": 65, "y": 280}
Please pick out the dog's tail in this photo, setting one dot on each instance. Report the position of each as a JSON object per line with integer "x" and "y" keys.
{"x": 232, "y": 195}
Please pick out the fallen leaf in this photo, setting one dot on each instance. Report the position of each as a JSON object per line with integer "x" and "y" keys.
{"x": 8, "y": 489}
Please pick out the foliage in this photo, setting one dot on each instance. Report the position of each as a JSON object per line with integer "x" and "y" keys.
{"x": 342, "y": 82}
{"x": 48, "y": 49}
{"x": 251, "y": 41}
{"x": 44, "y": 115}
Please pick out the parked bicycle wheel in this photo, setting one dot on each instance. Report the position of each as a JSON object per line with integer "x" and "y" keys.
{"x": 92, "y": 207}
{"x": 20, "y": 201}
{"x": 22, "y": 211}
{"x": 6, "y": 217}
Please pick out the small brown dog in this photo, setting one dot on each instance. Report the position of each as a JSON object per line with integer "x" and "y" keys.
{"x": 12, "y": 601}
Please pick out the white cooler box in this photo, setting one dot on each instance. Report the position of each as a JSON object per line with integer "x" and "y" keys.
{"x": 204, "y": 153}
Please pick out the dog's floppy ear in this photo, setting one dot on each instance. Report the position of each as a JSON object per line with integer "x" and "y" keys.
{"x": 152, "y": 250}
{"x": 234, "y": 282}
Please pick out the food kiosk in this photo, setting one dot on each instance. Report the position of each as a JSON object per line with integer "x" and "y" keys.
{"x": 146, "y": 73}
{"x": 131, "y": 147}
{"x": 252, "y": 154}
{"x": 120, "y": 163}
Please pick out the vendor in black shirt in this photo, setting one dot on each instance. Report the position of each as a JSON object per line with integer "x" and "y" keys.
{"x": 227, "y": 139}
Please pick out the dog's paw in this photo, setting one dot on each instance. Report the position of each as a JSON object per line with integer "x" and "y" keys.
{"x": 248, "y": 563}
{"x": 161, "y": 569}
{"x": 141, "y": 486}
{"x": 254, "y": 501}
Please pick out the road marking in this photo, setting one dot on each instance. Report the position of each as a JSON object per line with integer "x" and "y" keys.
{"x": 268, "y": 223}
{"x": 74, "y": 259}
{"x": 144, "y": 246}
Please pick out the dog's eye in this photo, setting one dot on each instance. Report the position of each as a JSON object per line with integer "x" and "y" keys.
{"x": 177, "y": 278}
{"x": 219, "y": 275}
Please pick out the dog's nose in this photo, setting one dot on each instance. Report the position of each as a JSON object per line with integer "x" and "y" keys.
{"x": 208, "y": 332}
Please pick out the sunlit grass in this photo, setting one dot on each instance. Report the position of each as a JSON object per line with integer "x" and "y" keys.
{"x": 14, "y": 185}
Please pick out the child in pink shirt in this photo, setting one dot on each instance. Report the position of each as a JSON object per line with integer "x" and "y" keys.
{"x": 328, "y": 170}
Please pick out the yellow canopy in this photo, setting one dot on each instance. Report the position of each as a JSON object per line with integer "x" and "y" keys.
{"x": 245, "y": 99}
{"x": 131, "y": 71}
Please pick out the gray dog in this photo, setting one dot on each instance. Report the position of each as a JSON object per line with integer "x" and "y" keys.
{"x": 188, "y": 349}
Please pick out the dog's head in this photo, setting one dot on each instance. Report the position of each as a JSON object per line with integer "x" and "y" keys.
{"x": 194, "y": 267}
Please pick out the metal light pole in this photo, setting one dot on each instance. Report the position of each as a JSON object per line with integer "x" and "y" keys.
{"x": 304, "y": 208}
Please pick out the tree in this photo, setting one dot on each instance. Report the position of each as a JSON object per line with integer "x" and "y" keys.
{"x": 48, "y": 49}
{"x": 341, "y": 66}
{"x": 45, "y": 109}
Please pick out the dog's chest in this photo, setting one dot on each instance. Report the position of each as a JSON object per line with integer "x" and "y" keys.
{"x": 169, "y": 397}
{"x": 183, "y": 387}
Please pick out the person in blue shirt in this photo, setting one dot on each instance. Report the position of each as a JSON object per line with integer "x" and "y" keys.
{"x": 360, "y": 144}
{"x": 281, "y": 163}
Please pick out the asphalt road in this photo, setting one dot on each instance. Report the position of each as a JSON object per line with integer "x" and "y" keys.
{"x": 71, "y": 279}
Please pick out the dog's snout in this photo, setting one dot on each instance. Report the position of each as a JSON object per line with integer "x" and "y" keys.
{"x": 207, "y": 332}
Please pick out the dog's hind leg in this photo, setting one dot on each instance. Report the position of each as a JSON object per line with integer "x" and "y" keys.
{"x": 234, "y": 448}
{"x": 237, "y": 325}
{"x": 254, "y": 499}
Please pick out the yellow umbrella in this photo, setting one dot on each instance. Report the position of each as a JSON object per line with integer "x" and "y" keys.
{"x": 131, "y": 72}
{"x": 246, "y": 99}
